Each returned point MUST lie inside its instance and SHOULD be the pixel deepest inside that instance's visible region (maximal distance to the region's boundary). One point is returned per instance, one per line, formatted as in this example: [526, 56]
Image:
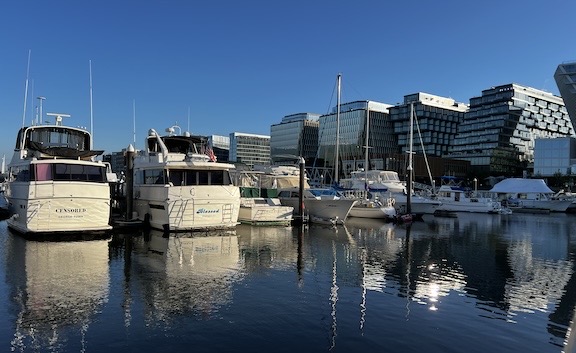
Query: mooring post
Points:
[129, 181]
[301, 190]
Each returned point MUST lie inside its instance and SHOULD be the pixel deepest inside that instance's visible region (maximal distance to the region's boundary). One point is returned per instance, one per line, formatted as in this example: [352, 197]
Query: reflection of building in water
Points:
[537, 283]
[182, 272]
[56, 288]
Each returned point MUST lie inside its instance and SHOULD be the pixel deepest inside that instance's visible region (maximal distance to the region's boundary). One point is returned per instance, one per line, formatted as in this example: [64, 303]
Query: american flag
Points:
[210, 153]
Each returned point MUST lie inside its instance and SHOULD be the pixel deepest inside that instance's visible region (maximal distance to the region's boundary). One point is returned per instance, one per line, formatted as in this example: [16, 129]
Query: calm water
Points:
[476, 283]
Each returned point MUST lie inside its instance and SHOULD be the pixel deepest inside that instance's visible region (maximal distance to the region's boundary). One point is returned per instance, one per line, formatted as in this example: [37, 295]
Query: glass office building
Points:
[498, 132]
[435, 124]
[352, 137]
[565, 77]
[295, 135]
[250, 149]
[553, 156]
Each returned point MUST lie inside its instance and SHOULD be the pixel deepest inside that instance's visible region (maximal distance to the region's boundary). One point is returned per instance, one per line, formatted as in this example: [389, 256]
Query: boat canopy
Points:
[521, 185]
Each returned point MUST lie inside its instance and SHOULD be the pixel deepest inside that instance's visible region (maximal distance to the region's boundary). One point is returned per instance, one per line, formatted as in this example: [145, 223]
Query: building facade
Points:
[565, 77]
[498, 131]
[250, 149]
[554, 156]
[295, 135]
[435, 123]
[221, 147]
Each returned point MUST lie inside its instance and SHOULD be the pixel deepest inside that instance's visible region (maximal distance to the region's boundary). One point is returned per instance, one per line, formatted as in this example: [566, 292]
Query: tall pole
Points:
[366, 151]
[337, 157]
[26, 88]
[40, 117]
[134, 121]
[130, 152]
[410, 171]
[91, 111]
[301, 190]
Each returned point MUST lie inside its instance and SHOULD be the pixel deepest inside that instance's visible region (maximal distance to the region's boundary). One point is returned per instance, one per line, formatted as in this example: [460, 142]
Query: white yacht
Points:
[321, 205]
[374, 180]
[529, 195]
[54, 182]
[456, 198]
[260, 206]
[385, 184]
[179, 188]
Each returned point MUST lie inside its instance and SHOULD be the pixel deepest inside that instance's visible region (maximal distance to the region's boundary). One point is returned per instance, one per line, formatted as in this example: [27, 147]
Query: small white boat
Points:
[259, 206]
[321, 205]
[529, 195]
[456, 198]
[374, 209]
[264, 211]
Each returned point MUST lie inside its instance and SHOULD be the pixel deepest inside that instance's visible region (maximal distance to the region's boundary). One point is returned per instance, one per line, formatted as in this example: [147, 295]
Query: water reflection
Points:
[479, 282]
[184, 273]
[56, 289]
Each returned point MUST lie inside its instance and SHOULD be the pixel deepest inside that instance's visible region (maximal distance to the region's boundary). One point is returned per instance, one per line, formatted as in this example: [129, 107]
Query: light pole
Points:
[475, 186]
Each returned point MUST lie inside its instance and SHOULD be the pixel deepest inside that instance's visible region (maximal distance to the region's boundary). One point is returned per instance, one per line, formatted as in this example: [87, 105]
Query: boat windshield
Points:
[53, 136]
[60, 172]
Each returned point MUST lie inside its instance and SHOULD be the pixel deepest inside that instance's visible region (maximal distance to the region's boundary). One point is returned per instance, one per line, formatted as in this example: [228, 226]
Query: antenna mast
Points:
[91, 111]
[26, 88]
[134, 121]
[188, 128]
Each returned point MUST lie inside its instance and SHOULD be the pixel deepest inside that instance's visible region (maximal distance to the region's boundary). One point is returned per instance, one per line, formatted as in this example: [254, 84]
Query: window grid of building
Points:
[498, 132]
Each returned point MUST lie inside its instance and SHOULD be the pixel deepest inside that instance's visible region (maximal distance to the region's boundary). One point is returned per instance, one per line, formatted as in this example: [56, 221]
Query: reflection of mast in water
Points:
[363, 303]
[333, 297]
[408, 264]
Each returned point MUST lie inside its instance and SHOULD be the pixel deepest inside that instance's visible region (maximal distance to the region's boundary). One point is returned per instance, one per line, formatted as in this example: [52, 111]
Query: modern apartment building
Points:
[435, 123]
[498, 132]
[295, 135]
[565, 77]
[250, 149]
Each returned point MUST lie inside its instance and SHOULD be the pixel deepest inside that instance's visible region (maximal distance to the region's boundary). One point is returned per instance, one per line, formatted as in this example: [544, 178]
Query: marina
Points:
[473, 283]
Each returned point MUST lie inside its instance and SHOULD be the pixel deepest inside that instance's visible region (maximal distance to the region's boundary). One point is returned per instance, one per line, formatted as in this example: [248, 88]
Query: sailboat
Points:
[375, 207]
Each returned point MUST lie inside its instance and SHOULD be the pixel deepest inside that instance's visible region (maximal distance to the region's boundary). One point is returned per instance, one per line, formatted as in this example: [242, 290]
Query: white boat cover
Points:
[520, 185]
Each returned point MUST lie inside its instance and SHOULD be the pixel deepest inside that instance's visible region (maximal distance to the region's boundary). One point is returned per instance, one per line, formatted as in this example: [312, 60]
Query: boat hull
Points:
[59, 207]
[187, 208]
[322, 210]
[362, 211]
[264, 211]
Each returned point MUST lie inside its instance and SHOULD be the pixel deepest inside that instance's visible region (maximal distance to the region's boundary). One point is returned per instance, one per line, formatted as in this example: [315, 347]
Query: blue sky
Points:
[243, 65]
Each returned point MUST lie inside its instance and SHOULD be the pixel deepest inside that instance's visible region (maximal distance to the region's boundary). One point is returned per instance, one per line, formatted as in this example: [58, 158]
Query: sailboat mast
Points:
[337, 157]
[366, 150]
[410, 171]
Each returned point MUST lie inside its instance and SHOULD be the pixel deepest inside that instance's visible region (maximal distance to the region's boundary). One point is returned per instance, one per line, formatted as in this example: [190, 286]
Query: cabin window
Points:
[20, 173]
[78, 172]
[60, 137]
[154, 176]
[176, 177]
[203, 177]
[183, 177]
[43, 172]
